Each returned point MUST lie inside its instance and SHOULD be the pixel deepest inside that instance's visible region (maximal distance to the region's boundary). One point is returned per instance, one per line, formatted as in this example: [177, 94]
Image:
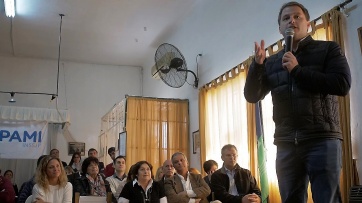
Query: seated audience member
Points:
[68, 170]
[109, 170]
[76, 162]
[55, 154]
[7, 193]
[91, 182]
[142, 188]
[159, 174]
[51, 182]
[167, 169]
[130, 175]
[27, 187]
[184, 186]
[71, 175]
[210, 166]
[194, 170]
[119, 178]
[94, 153]
[231, 183]
[9, 175]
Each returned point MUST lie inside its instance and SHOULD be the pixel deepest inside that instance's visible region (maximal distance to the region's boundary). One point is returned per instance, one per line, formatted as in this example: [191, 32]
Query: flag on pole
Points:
[261, 154]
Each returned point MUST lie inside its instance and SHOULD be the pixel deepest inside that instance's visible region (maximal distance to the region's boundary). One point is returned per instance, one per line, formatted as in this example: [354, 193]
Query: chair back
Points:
[92, 199]
[355, 194]
[29, 199]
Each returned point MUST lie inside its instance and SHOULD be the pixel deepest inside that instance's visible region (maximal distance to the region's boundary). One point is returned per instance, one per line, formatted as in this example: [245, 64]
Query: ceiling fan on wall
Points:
[171, 67]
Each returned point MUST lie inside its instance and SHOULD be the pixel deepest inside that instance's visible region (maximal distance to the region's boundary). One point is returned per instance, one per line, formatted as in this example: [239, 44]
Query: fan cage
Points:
[173, 77]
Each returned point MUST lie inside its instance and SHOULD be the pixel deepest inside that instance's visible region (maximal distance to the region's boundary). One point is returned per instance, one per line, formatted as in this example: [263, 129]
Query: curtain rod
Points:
[341, 5]
[126, 96]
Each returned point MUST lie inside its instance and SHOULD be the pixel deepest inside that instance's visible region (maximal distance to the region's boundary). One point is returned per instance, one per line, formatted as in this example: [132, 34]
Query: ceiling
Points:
[112, 32]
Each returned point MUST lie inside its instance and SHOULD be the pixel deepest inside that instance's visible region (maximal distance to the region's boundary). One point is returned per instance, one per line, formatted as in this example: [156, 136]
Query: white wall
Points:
[88, 91]
[225, 36]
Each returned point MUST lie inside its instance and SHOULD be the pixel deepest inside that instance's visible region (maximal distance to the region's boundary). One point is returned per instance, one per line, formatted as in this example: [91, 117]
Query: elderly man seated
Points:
[184, 186]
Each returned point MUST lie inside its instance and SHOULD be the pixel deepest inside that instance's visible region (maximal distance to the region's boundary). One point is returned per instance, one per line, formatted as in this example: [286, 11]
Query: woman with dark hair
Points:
[76, 162]
[142, 189]
[51, 182]
[91, 182]
[9, 175]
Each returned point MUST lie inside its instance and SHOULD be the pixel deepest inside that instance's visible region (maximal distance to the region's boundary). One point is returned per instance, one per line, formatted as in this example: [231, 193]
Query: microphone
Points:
[288, 39]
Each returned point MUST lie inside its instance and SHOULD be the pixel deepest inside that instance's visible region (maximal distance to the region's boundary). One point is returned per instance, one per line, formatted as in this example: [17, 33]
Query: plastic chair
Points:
[92, 199]
[355, 194]
[29, 199]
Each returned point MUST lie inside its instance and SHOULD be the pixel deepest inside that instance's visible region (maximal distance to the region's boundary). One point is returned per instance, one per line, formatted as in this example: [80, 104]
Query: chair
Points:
[355, 194]
[92, 199]
[29, 199]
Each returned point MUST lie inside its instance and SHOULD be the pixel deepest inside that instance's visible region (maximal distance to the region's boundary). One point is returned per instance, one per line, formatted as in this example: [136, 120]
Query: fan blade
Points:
[176, 62]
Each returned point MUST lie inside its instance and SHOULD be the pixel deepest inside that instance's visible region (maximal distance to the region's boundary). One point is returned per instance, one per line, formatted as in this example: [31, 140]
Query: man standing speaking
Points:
[304, 83]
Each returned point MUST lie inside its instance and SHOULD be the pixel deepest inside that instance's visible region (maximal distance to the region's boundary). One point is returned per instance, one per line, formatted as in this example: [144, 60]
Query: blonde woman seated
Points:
[51, 183]
[159, 174]
[142, 189]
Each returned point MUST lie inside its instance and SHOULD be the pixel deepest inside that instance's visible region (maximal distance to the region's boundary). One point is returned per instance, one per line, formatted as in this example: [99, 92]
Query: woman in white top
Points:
[51, 182]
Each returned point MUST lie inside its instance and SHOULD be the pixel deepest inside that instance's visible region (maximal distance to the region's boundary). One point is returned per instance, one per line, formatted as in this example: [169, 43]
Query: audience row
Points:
[174, 182]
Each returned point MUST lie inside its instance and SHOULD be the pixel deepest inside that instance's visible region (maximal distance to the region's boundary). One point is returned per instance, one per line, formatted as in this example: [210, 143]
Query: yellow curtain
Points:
[333, 24]
[222, 109]
[156, 128]
[328, 28]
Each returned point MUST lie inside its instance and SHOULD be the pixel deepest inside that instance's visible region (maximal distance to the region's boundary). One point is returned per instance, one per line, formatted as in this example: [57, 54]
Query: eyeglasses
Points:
[231, 155]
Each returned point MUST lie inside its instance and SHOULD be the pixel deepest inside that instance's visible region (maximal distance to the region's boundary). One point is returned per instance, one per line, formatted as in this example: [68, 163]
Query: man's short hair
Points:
[53, 150]
[178, 153]
[92, 149]
[208, 164]
[293, 3]
[111, 149]
[228, 146]
[119, 157]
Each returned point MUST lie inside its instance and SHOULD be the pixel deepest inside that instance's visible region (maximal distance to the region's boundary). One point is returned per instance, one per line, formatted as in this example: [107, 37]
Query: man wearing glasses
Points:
[231, 183]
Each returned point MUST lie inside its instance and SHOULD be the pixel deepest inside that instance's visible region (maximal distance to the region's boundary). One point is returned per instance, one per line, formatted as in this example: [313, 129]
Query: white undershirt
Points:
[232, 186]
[187, 187]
